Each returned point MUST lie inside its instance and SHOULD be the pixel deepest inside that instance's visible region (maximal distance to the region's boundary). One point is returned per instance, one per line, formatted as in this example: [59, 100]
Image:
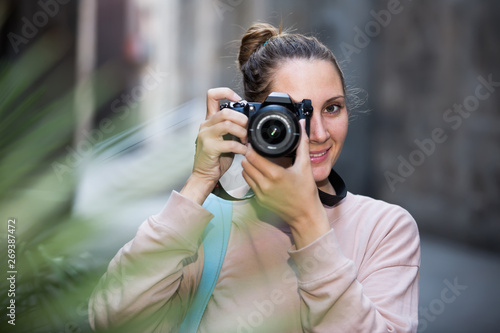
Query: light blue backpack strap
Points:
[215, 239]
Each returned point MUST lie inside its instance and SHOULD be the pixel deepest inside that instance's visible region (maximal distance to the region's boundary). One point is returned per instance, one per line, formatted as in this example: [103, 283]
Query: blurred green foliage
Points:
[55, 270]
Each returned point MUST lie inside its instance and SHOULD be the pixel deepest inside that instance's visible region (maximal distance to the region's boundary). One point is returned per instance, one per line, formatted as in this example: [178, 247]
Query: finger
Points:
[213, 148]
[255, 160]
[231, 146]
[215, 95]
[253, 185]
[218, 128]
[227, 115]
[270, 168]
[251, 174]
[228, 127]
[249, 168]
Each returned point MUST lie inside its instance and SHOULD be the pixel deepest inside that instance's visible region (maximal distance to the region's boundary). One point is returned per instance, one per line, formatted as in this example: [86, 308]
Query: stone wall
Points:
[436, 120]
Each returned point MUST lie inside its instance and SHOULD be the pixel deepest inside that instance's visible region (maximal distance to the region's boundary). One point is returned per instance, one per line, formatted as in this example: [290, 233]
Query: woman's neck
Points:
[326, 187]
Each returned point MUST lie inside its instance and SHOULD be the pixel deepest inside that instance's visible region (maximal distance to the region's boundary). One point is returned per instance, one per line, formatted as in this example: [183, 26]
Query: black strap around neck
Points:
[339, 187]
[327, 199]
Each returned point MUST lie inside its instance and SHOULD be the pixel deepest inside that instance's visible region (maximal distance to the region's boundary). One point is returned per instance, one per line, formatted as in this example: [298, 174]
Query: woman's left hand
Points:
[289, 191]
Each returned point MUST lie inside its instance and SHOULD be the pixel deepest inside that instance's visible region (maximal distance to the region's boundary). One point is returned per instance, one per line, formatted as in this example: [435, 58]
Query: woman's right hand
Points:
[214, 155]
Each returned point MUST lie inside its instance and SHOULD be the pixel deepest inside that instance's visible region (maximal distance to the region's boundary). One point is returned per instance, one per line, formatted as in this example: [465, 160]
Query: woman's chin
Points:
[321, 173]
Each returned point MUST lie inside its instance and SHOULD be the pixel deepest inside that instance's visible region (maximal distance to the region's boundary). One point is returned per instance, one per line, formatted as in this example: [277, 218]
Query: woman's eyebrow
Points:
[333, 99]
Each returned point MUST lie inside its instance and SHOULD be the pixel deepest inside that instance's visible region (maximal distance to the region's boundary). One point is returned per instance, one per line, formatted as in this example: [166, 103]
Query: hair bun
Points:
[255, 37]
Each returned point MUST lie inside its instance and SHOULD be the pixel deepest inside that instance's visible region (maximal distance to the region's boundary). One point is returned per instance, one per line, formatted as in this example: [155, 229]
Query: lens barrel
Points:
[274, 131]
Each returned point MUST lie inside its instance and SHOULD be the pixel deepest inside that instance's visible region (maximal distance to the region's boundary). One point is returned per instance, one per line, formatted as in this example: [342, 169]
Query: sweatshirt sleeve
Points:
[379, 294]
[152, 278]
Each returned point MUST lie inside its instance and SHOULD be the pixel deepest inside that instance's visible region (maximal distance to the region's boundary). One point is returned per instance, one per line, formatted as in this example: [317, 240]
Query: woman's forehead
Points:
[303, 78]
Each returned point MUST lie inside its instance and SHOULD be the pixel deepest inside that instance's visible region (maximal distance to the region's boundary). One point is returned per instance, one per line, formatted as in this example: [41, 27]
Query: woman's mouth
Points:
[318, 156]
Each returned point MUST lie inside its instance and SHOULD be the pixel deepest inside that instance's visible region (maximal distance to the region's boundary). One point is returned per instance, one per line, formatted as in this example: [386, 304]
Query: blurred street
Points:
[475, 303]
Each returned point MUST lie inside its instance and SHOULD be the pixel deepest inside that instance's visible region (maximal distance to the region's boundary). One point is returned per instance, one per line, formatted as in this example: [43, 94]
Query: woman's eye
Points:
[332, 108]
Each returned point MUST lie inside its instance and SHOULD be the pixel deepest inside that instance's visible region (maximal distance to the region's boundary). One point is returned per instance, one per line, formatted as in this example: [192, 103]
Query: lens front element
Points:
[275, 131]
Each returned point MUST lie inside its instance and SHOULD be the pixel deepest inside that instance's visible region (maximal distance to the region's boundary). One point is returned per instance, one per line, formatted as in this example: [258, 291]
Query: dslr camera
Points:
[273, 126]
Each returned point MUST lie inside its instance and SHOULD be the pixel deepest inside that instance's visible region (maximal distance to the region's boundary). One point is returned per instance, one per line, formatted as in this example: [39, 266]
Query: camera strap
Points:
[326, 199]
[222, 193]
[339, 187]
[215, 239]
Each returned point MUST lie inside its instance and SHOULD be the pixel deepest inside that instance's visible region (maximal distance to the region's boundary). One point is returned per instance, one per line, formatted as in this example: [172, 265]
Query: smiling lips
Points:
[317, 157]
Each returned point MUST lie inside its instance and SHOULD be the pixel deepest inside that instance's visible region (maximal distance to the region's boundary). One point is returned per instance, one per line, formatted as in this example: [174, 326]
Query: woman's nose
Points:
[318, 132]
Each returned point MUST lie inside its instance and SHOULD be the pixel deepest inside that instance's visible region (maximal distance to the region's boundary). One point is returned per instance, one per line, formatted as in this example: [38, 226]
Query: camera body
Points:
[273, 126]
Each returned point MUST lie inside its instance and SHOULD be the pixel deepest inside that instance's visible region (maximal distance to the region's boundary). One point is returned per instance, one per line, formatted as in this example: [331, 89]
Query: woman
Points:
[296, 261]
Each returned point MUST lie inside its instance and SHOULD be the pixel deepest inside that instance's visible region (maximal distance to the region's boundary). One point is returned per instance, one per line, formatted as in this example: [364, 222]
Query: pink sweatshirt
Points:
[362, 276]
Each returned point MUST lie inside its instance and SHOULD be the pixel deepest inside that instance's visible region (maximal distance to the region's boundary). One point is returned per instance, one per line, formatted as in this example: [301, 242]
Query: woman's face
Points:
[319, 81]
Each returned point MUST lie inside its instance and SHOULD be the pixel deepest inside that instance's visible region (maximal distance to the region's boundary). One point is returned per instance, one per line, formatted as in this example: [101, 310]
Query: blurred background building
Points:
[132, 75]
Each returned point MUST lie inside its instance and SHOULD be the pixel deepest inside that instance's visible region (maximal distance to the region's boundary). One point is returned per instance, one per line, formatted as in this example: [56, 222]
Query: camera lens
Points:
[274, 131]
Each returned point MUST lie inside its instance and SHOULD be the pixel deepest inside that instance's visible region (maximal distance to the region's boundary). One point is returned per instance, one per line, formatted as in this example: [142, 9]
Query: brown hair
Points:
[264, 47]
